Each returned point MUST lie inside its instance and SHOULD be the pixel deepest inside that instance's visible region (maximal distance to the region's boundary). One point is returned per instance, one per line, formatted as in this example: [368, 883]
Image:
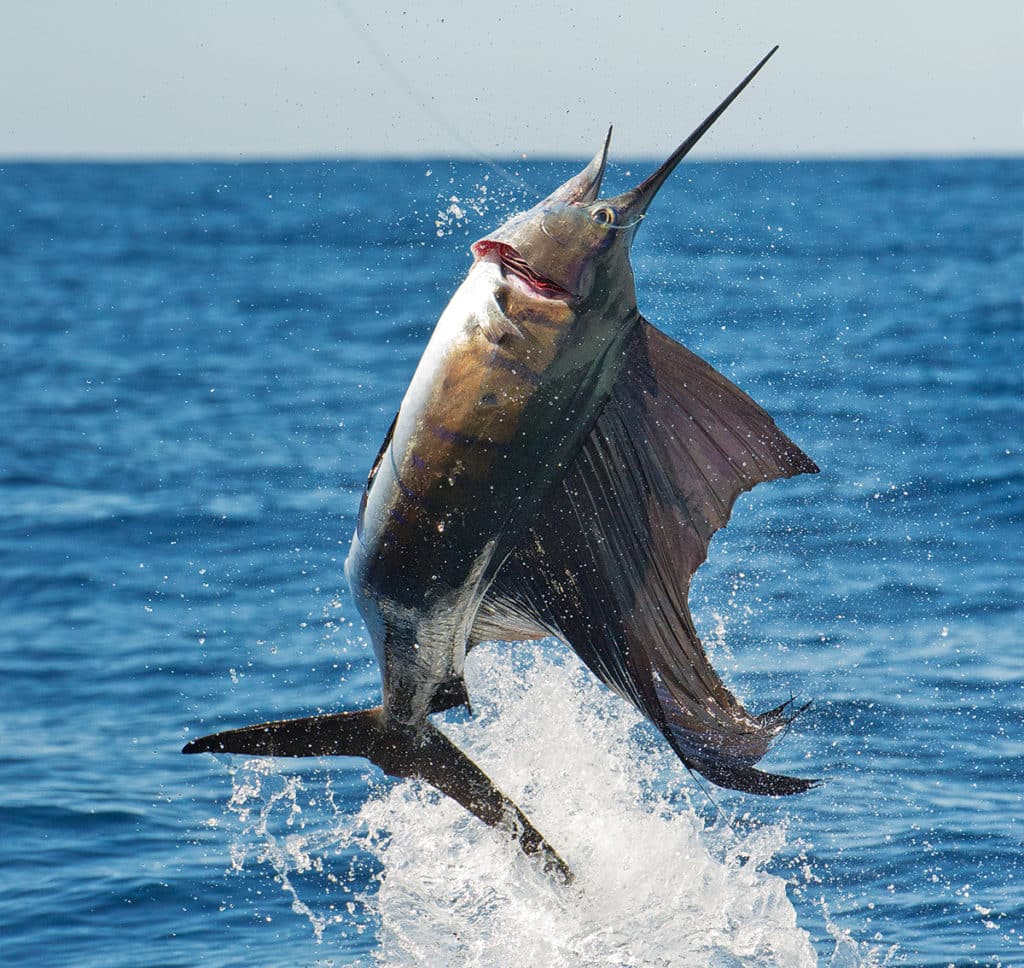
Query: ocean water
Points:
[198, 364]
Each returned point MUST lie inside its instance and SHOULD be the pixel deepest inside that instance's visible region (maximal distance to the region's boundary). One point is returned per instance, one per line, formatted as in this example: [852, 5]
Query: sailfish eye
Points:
[604, 215]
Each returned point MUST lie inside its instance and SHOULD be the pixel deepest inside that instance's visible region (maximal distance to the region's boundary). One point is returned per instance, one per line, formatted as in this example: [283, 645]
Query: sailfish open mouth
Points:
[512, 263]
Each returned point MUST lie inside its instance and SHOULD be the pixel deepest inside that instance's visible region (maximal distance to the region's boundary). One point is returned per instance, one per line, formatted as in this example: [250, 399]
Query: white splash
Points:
[654, 885]
[648, 889]
[456, 213]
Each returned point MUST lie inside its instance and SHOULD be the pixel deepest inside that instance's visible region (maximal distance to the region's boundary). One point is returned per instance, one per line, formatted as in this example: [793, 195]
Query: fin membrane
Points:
[430, 756]
[607, 565]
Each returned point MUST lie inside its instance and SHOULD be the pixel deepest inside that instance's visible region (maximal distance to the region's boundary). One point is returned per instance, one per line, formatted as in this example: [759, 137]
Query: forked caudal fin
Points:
[430, 756]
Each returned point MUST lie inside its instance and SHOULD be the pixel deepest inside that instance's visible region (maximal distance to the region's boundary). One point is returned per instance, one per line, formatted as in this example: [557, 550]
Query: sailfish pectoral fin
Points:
[429, 756]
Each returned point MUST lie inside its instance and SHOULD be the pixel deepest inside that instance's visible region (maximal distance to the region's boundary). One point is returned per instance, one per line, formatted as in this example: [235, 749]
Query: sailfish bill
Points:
[558, 467]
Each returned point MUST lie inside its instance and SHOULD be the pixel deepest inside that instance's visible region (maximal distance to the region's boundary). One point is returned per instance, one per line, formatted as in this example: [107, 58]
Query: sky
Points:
[335, 78]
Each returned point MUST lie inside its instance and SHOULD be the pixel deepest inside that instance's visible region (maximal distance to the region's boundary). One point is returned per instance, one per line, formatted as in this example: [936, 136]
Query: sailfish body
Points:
[557, 468]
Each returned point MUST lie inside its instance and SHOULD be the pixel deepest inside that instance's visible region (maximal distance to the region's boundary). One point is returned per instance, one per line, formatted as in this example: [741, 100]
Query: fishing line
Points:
[696, 778]
[388, 67]
[629, 225]
[613, 228]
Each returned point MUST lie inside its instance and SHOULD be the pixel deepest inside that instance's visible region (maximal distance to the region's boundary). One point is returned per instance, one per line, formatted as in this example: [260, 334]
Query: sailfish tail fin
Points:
[339, 734]
[429, 756]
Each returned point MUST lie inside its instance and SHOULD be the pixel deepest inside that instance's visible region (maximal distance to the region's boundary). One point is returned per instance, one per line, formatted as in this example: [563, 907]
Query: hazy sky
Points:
[239, 78]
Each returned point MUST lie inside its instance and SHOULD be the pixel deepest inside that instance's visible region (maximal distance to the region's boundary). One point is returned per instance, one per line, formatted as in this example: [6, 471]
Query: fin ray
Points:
[670, 453]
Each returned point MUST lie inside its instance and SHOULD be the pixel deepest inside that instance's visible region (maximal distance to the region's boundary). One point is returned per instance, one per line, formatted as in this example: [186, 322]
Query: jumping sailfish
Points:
[557, 468]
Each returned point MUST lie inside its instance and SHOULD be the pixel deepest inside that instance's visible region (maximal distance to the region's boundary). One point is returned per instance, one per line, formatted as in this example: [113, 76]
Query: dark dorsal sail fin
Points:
[607, 565]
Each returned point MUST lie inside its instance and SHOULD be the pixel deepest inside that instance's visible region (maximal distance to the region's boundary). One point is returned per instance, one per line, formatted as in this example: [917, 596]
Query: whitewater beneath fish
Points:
[656, 884]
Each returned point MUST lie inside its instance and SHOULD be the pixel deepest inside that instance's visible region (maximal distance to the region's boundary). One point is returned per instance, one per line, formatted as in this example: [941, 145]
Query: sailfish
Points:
[557, 468]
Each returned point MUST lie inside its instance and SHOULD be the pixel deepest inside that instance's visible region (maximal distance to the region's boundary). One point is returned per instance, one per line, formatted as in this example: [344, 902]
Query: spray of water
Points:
[656, 884]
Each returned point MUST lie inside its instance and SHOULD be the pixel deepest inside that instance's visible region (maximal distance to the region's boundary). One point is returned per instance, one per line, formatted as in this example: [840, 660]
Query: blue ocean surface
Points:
[199, 362]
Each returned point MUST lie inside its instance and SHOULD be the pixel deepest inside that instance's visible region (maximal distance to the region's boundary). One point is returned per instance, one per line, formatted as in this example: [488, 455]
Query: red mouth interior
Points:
[512, 261]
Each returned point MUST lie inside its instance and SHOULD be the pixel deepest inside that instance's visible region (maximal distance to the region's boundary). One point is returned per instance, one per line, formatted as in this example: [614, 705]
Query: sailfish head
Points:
[574, 245]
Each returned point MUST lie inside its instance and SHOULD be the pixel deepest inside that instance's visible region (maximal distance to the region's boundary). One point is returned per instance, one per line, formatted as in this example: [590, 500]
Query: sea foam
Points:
[657, 882]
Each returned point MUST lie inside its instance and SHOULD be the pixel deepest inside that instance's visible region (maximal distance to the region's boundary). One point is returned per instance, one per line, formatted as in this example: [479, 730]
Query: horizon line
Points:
[118, 158]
